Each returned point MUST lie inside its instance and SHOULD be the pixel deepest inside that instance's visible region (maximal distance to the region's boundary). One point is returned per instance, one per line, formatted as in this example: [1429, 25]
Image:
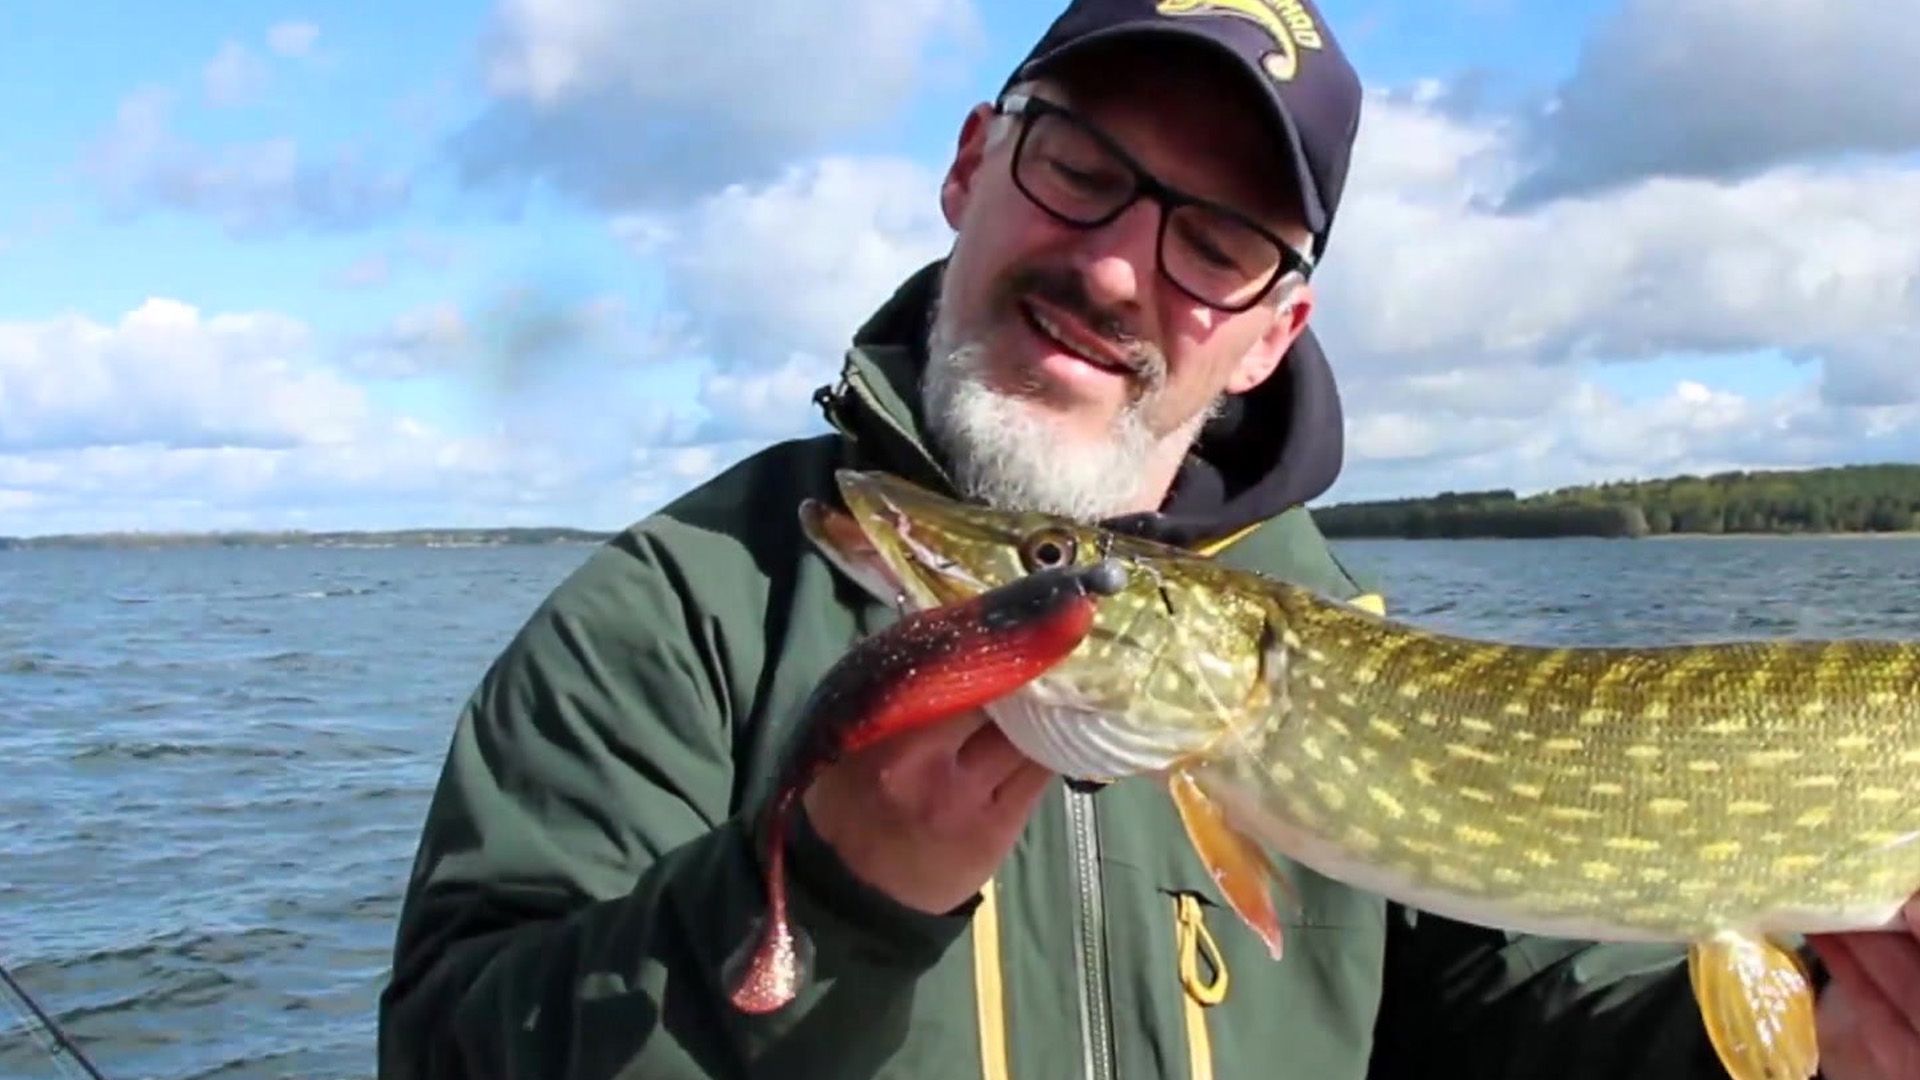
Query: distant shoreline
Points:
[1898, 534]
[1849, 500]
[518, 536]
[1889, 534]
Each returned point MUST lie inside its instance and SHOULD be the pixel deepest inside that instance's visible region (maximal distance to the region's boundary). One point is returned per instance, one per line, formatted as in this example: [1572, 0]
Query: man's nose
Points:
[1117, 259]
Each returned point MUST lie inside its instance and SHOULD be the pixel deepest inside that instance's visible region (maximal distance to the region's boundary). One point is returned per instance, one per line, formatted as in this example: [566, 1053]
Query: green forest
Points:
[1845, 499]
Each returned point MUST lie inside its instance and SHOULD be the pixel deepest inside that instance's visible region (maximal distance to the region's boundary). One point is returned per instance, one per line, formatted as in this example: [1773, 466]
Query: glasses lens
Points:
[1067, 169]
[1220, 257]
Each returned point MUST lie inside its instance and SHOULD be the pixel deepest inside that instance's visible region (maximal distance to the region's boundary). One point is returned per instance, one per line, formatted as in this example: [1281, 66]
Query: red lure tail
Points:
[926, 667]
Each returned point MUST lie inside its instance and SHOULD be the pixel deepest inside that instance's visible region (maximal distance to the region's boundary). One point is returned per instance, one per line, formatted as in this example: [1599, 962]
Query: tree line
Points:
[1844, 499]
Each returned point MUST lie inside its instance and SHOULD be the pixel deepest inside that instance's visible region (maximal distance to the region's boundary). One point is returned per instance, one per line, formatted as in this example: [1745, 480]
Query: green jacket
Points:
[585, 870]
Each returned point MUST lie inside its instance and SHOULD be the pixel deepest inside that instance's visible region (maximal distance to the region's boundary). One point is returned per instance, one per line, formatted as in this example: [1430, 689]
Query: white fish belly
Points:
[1077, 743]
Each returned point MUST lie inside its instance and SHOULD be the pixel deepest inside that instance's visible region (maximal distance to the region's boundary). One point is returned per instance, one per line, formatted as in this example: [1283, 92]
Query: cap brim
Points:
[1312, 208]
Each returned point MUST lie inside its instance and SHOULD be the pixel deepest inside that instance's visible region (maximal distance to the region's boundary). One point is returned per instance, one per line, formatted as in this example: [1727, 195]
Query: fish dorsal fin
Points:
[1757, 1005]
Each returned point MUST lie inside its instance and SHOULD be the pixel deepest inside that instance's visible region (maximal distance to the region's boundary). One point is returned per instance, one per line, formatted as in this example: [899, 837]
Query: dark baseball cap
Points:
[1284, 46]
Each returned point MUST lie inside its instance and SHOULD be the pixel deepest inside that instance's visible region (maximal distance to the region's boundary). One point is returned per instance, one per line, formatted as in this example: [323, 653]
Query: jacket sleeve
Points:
[583, 874]
[1463, 1000]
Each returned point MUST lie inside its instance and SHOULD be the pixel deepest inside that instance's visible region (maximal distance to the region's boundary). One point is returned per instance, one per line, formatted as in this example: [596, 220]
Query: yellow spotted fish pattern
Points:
[1727, 795]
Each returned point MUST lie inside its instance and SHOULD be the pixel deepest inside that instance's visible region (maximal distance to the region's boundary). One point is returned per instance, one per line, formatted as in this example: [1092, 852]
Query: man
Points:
[1119, 333]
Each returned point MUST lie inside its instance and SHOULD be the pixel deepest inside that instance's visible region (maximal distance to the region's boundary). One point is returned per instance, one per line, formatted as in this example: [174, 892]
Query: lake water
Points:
[213, 763]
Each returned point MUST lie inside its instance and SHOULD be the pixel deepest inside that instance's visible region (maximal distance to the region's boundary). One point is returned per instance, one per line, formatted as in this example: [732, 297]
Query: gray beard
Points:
[1003, 452]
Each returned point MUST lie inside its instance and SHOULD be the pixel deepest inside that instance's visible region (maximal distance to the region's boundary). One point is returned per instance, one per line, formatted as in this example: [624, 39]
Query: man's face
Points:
[1066, 371]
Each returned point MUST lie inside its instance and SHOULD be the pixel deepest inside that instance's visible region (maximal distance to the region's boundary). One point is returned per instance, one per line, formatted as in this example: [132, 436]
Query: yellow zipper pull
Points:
[1193, 936]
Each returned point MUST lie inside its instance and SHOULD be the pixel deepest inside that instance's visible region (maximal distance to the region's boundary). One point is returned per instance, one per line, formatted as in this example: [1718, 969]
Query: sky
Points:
[551, 262]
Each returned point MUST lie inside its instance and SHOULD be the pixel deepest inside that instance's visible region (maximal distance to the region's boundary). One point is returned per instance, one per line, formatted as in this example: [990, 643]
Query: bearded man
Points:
[1119, 334]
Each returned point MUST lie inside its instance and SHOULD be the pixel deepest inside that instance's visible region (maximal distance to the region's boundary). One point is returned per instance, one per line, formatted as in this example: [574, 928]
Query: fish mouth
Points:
[873, 542]
[837, 536]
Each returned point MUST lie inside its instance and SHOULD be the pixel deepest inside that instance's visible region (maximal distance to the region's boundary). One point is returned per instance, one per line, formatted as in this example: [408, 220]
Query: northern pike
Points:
[1725, 795]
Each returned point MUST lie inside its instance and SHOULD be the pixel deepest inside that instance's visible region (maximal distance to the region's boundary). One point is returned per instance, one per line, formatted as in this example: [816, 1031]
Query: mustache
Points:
[1066, 290]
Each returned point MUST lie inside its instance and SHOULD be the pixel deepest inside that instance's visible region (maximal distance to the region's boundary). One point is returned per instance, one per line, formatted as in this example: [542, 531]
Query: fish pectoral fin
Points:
[1758, 1007]
[1240, 867]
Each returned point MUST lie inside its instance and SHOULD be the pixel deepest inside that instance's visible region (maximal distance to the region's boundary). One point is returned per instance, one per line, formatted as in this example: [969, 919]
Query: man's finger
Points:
[1017, 793]
[987, 758]
[1880, 1031]
[1843, 1051]
[940, 740]
[1892, 962]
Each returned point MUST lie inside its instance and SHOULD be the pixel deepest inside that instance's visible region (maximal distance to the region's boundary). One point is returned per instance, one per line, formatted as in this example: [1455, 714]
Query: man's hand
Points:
[927, 817]
[1869, 1015]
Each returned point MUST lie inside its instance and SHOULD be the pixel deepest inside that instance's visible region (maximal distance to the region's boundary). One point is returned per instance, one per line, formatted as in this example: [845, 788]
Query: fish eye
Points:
[1047, 549]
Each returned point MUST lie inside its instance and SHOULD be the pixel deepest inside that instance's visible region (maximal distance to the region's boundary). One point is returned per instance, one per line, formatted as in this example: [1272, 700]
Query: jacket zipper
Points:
[1090, 939]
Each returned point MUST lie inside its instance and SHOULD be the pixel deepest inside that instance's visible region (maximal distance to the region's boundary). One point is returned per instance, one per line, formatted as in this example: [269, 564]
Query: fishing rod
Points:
[40, 1024]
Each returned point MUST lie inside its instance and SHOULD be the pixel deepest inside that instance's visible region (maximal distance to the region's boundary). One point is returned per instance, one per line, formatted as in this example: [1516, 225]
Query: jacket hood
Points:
[1277, 446]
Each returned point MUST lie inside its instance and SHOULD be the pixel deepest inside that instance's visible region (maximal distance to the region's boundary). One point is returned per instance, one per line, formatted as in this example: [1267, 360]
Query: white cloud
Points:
[233, 76]
[1725, 88]
[1426, 277]
[764, 403]
[174, 418]
[237, 75]
[1585, 433]
[292, 38]
[425, 339]
[393, 474]
[165, 374]
[698, 99]
[261, 187]
[775, 279]
[367, 272]
[797, 264]
[413, 250]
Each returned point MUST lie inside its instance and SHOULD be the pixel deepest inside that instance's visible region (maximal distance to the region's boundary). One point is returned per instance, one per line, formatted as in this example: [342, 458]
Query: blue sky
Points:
[275, 264]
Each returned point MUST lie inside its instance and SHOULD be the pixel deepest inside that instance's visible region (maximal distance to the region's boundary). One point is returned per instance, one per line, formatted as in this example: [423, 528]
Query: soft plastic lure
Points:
[924, 668]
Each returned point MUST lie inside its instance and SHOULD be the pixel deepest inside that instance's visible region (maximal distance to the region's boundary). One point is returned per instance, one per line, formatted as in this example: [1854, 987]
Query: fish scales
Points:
[1626, 793]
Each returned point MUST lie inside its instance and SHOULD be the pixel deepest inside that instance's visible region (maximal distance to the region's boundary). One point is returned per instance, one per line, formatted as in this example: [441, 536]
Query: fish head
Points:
[1171, 659]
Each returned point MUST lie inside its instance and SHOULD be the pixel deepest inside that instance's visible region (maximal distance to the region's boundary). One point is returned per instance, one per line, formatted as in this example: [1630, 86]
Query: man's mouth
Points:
[1073, 338]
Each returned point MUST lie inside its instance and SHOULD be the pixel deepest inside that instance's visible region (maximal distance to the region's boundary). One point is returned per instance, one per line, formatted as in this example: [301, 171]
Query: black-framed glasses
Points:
[1083, 177]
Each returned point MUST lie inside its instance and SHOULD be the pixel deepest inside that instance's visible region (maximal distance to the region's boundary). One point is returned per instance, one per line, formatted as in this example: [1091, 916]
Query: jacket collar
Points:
[876, 403]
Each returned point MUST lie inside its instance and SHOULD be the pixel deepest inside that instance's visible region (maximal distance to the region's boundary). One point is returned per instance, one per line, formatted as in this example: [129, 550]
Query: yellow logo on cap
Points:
[1287, 22]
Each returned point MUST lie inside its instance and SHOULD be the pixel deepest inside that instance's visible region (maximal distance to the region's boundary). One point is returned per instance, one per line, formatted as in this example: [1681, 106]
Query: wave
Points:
[149, 750]
[41, 663]
[332, 592]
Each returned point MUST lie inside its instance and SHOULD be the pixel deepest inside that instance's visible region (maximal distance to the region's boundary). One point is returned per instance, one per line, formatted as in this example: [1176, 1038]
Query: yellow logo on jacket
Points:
[1287, 22]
